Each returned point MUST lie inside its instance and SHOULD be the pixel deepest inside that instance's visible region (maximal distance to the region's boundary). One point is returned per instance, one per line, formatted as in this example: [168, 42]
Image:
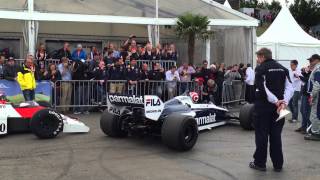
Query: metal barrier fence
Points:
[46, 62]
[233, 92]
[166, 64]
[83, 94]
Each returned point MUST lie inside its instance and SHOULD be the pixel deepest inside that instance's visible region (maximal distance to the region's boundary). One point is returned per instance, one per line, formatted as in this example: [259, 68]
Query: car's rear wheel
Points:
[46, 123]
[44, 104]
[247, 116]
[179, 132]
[111, 125]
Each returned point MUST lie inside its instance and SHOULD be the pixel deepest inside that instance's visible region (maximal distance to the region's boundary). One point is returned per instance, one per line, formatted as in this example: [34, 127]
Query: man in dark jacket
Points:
[79, 73]
[100, 74]
[64, 52]
[11, 69]
[274, 90]
[205, 72]
[133, 76]
[156, 76]
[117, 75]
[305, 107]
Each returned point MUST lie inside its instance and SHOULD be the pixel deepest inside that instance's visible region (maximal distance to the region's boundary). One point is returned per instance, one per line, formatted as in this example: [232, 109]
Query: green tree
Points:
[248, 4]
[191, 27]
[263, 5]
[306, 13]
[274, 6]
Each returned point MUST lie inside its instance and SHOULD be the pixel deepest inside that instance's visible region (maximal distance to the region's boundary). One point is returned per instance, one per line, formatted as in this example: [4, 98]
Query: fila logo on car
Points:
[153, 102]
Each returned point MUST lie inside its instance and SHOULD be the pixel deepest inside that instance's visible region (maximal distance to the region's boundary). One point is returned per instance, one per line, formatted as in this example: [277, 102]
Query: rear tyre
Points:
[179, 132]
[44, 104]
[111, 125]
[46, 123]
[247, 116]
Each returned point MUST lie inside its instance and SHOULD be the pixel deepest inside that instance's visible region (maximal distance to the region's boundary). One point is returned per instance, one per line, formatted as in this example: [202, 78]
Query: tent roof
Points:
[285, 30]
[227, 4]
[104, 10]
[136, 8]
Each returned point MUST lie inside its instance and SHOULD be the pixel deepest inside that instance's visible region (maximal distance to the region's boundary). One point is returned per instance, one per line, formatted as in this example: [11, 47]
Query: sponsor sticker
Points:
[211, 118]
[153, 102]
[153, 107]
[125, 100]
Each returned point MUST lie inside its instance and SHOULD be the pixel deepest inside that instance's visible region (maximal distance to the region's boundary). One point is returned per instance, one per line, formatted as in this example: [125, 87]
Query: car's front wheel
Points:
[179, 132]
[46, 123]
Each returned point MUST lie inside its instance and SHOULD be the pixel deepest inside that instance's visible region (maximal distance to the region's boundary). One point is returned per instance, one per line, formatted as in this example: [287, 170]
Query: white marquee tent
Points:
[227, 4]
[288, 40]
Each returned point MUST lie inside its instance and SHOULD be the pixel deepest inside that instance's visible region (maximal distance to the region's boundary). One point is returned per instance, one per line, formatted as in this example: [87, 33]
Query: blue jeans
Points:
[28, 95]
[305, 110]
[81, 98]
[293, 105]
[183, 87]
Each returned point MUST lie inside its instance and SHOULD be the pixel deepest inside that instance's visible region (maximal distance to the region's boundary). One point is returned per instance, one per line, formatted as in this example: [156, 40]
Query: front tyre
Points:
[46, 123]
[111, 125]
[247, 116]
[179, 132]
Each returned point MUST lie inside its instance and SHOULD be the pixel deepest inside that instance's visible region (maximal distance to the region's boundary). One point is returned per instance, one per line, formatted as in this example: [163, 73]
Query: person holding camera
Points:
[11, 69]
[133, 76]
[305, 107]
[185, 72]
[100, 74]
[66, 87]
[172, 76]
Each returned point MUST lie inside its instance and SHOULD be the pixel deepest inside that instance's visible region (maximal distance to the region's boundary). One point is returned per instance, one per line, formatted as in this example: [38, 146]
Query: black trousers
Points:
[267, 128]
[250, 93]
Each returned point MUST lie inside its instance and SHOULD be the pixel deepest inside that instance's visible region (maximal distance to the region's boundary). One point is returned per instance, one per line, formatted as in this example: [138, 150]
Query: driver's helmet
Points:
[194, 96]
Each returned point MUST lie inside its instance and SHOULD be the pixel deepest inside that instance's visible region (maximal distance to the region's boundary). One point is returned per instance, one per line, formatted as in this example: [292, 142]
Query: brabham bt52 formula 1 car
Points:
[30, 116]
[177, 121]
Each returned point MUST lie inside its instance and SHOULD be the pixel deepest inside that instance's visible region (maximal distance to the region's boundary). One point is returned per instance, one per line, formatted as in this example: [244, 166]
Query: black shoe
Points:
[304, 131]
[277, 169]
[312, 137]
[299, 129]
[252, 165]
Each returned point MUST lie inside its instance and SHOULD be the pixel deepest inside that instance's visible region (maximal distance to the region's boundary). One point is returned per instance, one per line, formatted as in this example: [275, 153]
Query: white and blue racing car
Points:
[177, 120]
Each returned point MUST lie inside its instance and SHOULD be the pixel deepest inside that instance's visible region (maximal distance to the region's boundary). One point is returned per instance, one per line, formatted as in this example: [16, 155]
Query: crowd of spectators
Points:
[113, 74]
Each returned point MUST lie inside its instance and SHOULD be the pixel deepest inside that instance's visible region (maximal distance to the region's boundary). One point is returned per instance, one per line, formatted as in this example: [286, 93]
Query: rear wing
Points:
[152, 105]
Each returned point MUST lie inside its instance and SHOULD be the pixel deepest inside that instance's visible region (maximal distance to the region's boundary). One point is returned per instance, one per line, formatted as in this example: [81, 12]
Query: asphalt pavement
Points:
[221, 153]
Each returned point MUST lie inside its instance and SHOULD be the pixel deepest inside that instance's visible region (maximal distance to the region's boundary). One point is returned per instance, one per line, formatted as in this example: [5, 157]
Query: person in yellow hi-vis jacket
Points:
[26, 79]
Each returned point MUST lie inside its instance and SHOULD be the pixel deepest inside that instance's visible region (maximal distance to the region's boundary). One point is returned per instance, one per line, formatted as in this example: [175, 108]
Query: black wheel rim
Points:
[48, 124]
[189, 133]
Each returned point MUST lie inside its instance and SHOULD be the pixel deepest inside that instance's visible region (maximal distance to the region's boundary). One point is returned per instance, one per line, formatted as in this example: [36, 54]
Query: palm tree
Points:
[191, 27]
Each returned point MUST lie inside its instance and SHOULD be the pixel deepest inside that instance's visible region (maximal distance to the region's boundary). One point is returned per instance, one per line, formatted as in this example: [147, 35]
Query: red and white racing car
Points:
[32, 117]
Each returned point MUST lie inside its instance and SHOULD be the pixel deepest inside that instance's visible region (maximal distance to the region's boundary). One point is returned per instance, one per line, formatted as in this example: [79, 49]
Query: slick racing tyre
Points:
[247, 116]
[46, 123]
[44, 104]
[111, 125]
[179, 132]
